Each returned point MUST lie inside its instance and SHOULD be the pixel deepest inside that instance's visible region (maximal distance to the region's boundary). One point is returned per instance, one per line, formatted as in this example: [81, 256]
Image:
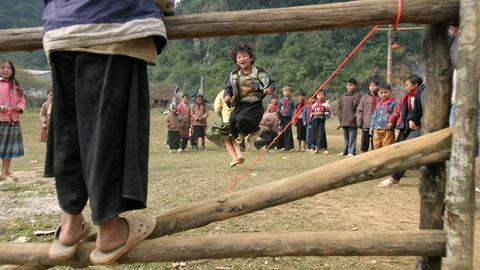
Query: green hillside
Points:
[302, 60]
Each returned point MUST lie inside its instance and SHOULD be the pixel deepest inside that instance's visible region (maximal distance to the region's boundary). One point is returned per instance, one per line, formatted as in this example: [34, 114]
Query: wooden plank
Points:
[353, 14]
[436, 103]
[460, 207]
[241, 245]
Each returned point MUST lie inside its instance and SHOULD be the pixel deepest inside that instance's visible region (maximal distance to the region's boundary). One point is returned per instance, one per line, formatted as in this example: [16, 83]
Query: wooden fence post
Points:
[460, 210]
[436, 108]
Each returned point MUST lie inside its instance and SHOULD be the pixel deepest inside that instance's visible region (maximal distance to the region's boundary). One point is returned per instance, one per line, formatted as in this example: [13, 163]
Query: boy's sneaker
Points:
[179, 150]
[341, 154]
[203, 148]
[325, 152]
[169, 151]
[477, 189]
[350, 155]
[388, 182]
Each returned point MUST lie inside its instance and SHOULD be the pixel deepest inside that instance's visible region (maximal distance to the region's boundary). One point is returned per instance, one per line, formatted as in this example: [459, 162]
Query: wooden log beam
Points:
[242, 245]
[460, 207]
[431, 148]
[353, 14]
[436, 103]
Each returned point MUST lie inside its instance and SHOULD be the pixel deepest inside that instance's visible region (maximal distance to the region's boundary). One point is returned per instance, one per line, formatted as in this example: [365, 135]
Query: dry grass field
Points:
[179, 179]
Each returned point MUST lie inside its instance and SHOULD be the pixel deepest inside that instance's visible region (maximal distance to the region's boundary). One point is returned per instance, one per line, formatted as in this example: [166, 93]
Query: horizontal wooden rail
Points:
[353, 14]
[241, 245]
[427, 149]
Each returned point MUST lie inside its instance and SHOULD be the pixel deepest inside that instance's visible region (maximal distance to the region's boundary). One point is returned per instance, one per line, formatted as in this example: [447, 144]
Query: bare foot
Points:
[72, 228]
[112, 234]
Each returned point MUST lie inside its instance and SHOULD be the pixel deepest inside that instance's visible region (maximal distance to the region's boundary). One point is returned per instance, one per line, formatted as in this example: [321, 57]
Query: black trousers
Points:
[174, 140]
[404, 135]
[287, 134]
[100, 114]
[366, 141]
[245, 118]
[301, 131]
[319, 133]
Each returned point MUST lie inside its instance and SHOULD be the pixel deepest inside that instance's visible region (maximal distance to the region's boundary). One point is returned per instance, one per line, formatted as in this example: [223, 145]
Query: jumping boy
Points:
[365, 109]
[347, 108]
[286, 107]
[245, 89]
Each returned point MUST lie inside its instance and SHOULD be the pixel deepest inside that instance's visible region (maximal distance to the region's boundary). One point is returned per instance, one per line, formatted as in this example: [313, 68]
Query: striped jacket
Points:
[85, 23]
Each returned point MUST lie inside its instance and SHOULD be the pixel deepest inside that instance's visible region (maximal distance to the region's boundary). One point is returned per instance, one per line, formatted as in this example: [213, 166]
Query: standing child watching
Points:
[286, 107]
[199, 121]
[347, 108]
[383, 135]
[365, 109]
[273, 106]
[401, 118]
[12, 105]
[308, 122]
[45, 116]
[245, 89]
[173, 122]
[184, 111]
[298, 121]
[320, 111]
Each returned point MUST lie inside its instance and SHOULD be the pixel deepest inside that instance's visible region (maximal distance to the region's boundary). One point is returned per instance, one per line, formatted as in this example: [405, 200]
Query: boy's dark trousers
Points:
[266, 138]
[320, 133]
[404, 135]
[366, 140]
[174, 139]
[287, 134]
[350, 138]
[183, 143]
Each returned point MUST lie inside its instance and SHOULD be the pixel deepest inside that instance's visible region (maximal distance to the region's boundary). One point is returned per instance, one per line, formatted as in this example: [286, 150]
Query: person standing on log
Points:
[364, 113]
[245, 89]
[407, 119]
[347, 109]
[12, 105]
[98, 53]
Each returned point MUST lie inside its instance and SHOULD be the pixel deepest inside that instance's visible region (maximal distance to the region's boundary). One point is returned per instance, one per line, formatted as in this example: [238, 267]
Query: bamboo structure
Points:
[242, 245]
[278, 20]
[460, 208]
[429, 151]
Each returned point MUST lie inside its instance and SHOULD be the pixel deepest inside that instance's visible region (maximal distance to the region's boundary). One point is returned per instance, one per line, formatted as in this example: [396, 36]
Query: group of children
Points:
[376, 113]
[185, 122]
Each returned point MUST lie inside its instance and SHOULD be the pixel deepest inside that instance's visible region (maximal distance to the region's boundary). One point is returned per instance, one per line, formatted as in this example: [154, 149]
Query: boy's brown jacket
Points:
[347, 109]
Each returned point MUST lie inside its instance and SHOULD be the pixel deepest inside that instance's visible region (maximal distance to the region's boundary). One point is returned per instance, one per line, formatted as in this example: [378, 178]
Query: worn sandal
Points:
[139, 228]
[62, 252]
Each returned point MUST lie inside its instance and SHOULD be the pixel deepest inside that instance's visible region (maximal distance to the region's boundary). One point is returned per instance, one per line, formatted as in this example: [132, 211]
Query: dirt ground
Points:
[30, 203]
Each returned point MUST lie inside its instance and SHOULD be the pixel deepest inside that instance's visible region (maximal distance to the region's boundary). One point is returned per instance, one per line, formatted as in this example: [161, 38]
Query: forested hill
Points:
[302, 60]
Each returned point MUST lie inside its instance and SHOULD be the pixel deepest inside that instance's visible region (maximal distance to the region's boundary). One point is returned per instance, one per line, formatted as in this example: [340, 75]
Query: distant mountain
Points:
[302, 60]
